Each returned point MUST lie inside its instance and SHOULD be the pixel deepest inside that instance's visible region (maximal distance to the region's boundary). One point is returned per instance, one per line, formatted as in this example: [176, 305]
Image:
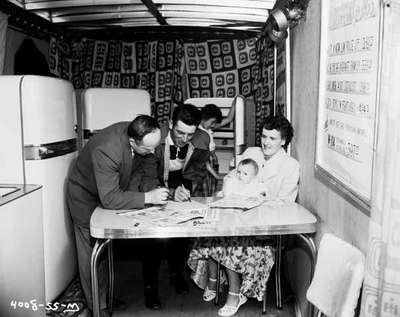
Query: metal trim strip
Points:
[49, 150]
[134, 233]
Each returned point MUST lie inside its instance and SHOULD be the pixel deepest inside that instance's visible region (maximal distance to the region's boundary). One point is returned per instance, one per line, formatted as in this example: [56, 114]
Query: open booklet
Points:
[172, 213]
[238, 202]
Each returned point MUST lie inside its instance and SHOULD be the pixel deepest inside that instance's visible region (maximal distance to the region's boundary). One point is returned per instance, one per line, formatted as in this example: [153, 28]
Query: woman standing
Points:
[249, 260]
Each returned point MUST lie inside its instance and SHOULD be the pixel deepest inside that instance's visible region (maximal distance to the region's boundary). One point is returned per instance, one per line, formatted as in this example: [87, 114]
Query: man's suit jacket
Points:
[193, 165]
[106, 174]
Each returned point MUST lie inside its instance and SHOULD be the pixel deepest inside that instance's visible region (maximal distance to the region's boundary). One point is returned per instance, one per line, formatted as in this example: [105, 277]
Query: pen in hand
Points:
[189, 198]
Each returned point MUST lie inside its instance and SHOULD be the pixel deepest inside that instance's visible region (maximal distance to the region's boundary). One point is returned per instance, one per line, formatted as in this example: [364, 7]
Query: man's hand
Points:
[181, 194]
[158, 196]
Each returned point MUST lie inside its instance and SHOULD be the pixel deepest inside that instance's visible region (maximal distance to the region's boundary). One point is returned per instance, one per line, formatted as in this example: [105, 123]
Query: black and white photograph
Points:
[199, 158]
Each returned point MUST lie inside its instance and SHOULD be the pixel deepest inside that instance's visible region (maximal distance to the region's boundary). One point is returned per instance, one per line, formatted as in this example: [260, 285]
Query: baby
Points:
[244, 181]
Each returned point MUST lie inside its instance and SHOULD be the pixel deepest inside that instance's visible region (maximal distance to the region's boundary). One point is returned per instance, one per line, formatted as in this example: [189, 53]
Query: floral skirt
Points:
[251, 257]
[208, 186]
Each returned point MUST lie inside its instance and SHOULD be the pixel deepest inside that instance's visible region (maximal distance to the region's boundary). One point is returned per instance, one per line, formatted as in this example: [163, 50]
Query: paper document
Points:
[172, 213]
[210, 219]
[238, 201]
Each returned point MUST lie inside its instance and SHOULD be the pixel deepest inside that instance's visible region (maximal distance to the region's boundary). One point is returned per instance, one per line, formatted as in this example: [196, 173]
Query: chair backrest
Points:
[338, 277]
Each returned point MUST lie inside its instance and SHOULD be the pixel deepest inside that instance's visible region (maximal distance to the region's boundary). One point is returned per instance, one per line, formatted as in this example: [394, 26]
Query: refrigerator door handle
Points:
[49, 150]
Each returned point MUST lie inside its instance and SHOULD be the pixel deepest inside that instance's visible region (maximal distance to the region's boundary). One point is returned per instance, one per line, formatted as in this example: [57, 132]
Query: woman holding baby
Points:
[269, 171]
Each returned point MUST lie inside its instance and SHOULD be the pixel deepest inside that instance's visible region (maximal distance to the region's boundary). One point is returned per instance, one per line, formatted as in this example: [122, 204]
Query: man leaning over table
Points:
[179, 164]
[116, 170]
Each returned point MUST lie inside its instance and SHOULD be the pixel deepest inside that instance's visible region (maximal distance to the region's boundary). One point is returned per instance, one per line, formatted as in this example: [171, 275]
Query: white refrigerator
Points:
[100, 107]
[38, 141]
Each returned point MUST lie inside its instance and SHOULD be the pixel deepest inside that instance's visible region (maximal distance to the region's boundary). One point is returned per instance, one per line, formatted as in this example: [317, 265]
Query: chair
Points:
[337, 279]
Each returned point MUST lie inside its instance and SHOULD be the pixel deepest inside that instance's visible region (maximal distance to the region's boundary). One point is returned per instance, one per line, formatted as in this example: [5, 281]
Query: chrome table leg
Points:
[94, 261]
[110, 277]
[278, 264]
[313, 253]
[218, 283]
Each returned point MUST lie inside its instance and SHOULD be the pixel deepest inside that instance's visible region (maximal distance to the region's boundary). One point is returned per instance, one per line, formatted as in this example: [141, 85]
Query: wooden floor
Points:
[129, 287]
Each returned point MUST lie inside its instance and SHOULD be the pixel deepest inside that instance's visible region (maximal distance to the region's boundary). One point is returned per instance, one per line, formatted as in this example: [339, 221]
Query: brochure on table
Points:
[173, 213]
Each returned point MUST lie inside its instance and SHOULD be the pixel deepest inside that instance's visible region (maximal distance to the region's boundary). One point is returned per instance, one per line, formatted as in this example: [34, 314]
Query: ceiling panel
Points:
[98, 9]
[257, 4]
[233, 14]
[52, 4]
[216, 15]
[101, 16]
[212, 9]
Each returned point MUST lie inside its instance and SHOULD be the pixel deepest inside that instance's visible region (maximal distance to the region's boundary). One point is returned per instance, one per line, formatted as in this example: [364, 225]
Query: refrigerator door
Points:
[58, 235]
[48, 110]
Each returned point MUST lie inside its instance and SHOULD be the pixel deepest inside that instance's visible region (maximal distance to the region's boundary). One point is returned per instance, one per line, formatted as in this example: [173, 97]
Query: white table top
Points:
[287, 218]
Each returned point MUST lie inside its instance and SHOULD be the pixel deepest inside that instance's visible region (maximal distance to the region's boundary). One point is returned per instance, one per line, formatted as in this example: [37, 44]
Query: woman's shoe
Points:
[209, 294]
[227, 310]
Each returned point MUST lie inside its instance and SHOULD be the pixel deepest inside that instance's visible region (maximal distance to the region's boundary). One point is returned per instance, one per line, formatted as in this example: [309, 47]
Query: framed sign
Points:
[348, 96]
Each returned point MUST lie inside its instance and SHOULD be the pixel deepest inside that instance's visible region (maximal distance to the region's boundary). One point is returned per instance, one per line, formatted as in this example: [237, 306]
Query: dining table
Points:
[270, 218]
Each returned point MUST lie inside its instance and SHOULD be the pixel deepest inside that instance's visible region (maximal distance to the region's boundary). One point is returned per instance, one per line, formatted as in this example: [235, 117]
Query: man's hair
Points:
[187, 113]
[249, 161]
[141, 126]
[281, 124]
[211, 111]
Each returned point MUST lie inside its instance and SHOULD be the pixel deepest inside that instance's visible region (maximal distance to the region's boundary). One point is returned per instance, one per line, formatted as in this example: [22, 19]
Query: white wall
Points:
[335, 213]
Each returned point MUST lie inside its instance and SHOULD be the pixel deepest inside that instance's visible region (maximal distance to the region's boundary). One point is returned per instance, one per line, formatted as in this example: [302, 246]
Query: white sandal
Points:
[228, 310]
[209, 294]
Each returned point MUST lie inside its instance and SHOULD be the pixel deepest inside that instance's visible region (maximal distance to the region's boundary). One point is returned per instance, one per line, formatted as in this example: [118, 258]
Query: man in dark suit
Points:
[178, 161]
[117, 170]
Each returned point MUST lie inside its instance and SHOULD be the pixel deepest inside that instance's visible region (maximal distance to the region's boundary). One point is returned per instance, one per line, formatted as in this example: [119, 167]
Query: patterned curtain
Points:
[381, 291]
[263, 83]
[156, 66]
[222, 68]
[225, 68]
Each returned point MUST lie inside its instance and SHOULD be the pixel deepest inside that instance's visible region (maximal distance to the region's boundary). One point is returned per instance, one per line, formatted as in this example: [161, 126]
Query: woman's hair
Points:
[249, 161]
[141, 126]
[211, 111]
[187, 113]
[281, 124]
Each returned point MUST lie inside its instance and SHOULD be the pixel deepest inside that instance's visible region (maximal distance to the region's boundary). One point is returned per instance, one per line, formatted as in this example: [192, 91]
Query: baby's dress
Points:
[233, 186]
